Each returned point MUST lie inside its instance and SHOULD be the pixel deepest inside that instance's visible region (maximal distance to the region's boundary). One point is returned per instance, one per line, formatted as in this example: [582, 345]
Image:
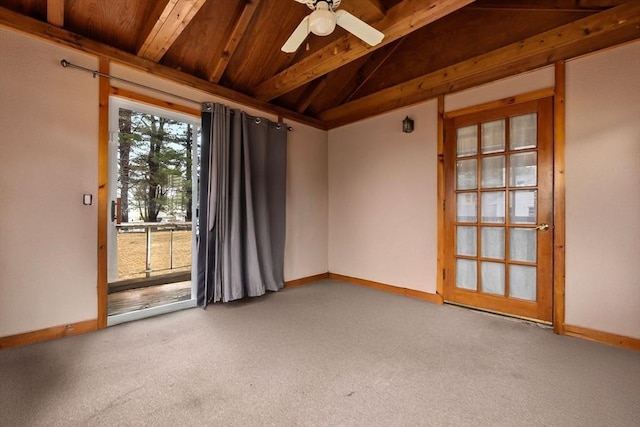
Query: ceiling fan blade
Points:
[297, 37]
[358, 28]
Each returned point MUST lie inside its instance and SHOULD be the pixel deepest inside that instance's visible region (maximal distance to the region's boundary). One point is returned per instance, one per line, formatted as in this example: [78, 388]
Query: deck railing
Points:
[149, 228]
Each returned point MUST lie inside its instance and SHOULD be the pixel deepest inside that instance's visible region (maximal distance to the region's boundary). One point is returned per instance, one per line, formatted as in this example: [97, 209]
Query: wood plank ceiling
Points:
[231, 48]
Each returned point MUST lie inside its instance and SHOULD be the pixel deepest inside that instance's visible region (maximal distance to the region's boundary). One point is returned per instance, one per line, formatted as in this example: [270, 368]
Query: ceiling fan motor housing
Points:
[322, 20]
[334, 4]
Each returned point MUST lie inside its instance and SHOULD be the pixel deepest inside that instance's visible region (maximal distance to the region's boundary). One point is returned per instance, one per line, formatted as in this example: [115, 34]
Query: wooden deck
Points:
[151, 296]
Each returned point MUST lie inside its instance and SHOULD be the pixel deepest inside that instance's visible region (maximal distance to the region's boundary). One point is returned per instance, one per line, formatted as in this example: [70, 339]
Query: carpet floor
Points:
[326, 354]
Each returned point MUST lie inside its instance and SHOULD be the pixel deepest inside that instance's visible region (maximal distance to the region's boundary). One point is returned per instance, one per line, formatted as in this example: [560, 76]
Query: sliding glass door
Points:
[152, 189]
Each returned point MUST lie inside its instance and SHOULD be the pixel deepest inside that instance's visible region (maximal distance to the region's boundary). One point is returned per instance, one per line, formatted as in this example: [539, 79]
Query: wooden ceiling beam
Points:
[314, 89]
[370, 68]
[599, 3]
[368, 10]
[583, 6]
[598, 31]
[238, 31]
[399, 21]
[45, 31]
[173, 16]
[55, 12]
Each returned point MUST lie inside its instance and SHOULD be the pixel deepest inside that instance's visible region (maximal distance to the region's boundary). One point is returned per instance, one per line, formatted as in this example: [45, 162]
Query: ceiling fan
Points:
[323, 20]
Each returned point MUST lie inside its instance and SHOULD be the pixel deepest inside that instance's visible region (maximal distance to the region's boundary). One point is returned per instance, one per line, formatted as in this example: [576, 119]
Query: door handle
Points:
[114, 215]
[542, 227]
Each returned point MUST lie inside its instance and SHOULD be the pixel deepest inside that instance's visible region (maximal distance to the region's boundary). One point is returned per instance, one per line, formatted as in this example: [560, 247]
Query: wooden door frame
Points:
[559, 198]
[103, 189]
[105, 93]
[558, 187]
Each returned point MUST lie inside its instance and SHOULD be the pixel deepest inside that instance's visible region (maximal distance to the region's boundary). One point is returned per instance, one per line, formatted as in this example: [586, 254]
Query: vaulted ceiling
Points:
[231, 48]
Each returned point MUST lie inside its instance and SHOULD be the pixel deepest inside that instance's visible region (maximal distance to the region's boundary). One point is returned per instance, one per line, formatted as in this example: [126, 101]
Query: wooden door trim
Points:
[545, 204]
[103, 191]
[559, 199]
[496, 108]
[155, 102]
[504, 102]
[442, 192]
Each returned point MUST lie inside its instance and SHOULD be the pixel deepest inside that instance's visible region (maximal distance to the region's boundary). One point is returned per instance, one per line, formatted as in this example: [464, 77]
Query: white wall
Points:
[48, 239]
[603, 191]
[382, 199]
[306, 247]
[531, 81]
[48, 159]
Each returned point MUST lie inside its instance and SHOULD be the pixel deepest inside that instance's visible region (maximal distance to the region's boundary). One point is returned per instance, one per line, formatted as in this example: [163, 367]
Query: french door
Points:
[499, 210]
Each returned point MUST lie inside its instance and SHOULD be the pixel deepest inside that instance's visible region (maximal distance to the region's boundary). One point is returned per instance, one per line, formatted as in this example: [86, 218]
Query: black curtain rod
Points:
[67, 64]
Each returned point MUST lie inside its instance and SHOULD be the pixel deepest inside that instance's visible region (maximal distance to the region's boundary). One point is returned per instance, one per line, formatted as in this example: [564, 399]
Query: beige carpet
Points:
[327, 354]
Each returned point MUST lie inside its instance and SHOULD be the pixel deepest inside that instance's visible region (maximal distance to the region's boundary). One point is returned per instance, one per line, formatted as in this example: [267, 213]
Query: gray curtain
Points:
[241, 218]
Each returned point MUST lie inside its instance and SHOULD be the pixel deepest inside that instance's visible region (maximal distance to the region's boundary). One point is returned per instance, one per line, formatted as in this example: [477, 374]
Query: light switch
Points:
[87, 199]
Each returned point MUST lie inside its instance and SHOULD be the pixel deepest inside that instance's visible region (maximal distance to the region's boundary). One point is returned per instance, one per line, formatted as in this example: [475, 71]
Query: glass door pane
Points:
[466, 274]
[493, 279]
[493, 137]
[523, 169]
[523, 244]
[493, 172]
[523, 131]
[467, 141]
[493, 242]
[467, 241]
[522, 282]
[522, 207]
[467, 174]
[493, 207]
[467, 207]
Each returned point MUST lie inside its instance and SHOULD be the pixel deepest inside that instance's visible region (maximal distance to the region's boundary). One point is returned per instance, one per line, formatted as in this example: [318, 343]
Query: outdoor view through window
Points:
[152, 211]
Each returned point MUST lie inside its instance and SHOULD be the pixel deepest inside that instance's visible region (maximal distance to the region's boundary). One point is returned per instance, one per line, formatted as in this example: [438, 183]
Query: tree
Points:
[188, 187]
[124, 152]
[153, 163]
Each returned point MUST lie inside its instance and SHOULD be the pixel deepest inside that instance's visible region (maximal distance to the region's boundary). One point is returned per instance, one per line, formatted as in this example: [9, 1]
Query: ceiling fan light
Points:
[322, 22]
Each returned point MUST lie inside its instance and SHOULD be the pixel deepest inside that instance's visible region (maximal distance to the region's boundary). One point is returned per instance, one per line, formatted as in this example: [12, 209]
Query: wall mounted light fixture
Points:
[407, 125]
